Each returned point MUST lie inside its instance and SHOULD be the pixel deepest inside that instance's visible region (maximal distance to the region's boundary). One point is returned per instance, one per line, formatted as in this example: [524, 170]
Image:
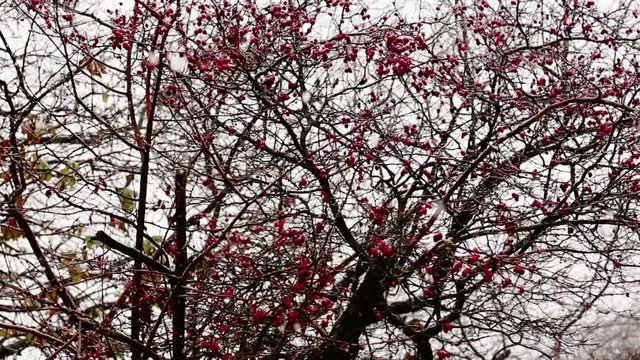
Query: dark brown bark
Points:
[178, 294]
[360, 313]
[134, 254]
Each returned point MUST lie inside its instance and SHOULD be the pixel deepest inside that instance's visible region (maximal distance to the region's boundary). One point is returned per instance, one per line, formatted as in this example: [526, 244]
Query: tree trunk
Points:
[361, 312]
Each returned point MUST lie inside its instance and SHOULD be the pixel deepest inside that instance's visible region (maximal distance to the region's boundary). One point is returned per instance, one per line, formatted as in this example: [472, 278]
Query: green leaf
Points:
[72, 166]
[105, 96]
[95, 313]
[43, 168]
[149, 248]
[7, 333]
[127, 198]
[30, 338]
[91, 242]
[66, 175]
[31, 304]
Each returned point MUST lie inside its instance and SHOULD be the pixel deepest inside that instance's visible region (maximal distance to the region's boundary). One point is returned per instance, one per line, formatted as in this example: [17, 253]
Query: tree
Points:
[315, 179]
[616, 340]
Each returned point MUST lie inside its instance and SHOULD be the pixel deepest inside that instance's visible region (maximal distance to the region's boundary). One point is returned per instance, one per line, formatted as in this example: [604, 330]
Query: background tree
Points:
[314, 179]
[616, 341]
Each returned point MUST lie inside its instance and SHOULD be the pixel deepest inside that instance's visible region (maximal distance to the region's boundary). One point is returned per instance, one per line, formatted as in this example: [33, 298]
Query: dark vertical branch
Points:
[142, 203]
[136, 295]
[178, 301]
[137, 266]
[360, 313]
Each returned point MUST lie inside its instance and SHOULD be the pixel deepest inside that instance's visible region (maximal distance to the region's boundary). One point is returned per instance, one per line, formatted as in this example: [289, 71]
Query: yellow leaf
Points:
[93, 66]
[127, 199]
[7, 333]
[52, 296]
[34, 128]
[10, 230]
[20, 203]
[69, 262]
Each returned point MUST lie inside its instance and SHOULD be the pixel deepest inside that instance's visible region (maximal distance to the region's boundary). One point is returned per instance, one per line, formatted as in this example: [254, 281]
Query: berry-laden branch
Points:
[317, 179]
